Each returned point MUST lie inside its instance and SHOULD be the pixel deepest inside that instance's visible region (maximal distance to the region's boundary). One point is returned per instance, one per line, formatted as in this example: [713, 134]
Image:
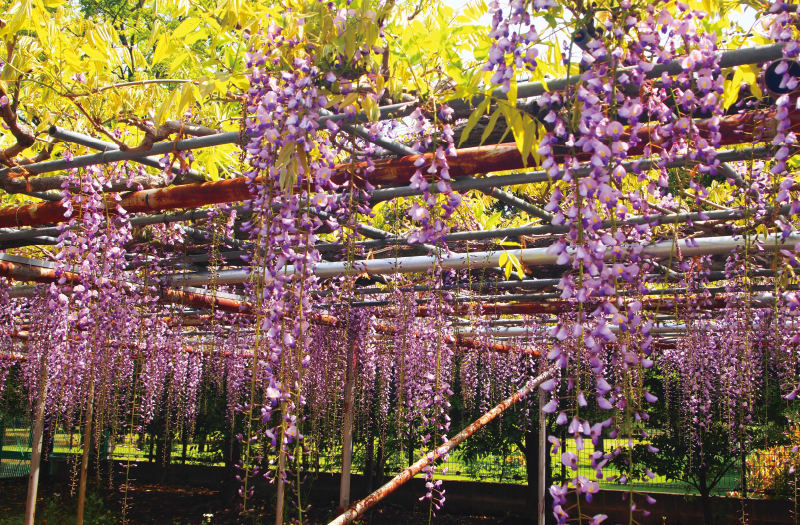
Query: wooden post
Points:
[347, 428]
[36, 447]
[87, 446]
[542, 456]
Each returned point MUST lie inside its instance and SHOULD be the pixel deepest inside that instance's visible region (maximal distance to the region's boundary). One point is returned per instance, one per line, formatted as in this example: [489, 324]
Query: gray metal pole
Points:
[461, 261]
[93, 143]
[280, 482]
[161, 148]
[737, 57]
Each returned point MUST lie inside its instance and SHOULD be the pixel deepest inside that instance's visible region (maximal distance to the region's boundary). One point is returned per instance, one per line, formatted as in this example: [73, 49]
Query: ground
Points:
[154, 504]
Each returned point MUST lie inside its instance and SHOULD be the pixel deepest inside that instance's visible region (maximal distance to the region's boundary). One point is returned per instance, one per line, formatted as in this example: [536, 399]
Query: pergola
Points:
[194, 285]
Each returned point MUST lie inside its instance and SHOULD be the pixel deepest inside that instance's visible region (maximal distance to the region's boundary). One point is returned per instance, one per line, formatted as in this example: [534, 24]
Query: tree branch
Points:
[129, 84]
[24, 135]
[40, 157]
[164, 131]
[35, 185]
[100, 127]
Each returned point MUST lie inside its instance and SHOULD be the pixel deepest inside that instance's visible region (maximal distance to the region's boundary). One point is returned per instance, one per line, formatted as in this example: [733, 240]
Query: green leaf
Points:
[304, 161]
[349, 99]
[750, 75]
[288, 175]
[490, 125]
[186, 27]
[163, 110]
[177, 62]
[503, 259]
[194, 37]
[473, 119]
[517, 265]
[284, 155]
[350, 41]
[492, 221]
[187, 96]
[512, 91]
[161, 49]
[525, 142]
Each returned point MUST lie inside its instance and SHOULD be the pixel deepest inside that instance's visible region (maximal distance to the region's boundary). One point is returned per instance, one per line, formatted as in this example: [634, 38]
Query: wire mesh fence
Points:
[770, 471]
[512, 468]
[15, 445]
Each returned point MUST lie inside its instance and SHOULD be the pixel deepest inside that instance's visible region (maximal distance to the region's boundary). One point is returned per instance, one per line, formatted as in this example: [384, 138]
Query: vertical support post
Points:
[347, 427]
[36, 447]
[279, 481]
[743, 461]
[542, 457]
[87, 446]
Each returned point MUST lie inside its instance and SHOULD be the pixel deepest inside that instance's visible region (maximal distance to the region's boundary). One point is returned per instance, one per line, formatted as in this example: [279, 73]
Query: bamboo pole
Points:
[359, 508]
[36, 446]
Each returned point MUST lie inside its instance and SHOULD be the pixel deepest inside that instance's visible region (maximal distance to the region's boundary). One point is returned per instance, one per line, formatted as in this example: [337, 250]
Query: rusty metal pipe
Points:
[357, 509]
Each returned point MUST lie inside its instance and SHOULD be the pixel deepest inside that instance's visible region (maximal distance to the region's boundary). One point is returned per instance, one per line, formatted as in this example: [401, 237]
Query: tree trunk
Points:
[531, 451]
[379, 470]
[150, 456]
[231, 453]
[164, 450]
[185, 443]
[47, 450]
[369, 464]
[705, 498]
